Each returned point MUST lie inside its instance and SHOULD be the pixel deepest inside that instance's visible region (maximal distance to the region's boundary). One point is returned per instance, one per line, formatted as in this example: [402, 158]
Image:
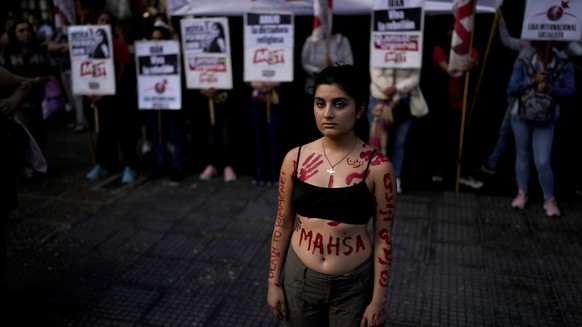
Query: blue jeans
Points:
[534, 141]
[172, 130]
[504, 136]
[397, 135]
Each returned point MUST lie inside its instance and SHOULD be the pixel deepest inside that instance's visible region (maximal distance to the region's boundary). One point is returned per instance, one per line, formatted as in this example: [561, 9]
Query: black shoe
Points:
[157, 173]
[176, 176]
[487, 169]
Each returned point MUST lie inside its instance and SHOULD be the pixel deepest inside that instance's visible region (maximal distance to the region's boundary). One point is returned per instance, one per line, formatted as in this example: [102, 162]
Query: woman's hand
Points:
[276, 301]
[374, 316]
[7, 106]
[209, 92]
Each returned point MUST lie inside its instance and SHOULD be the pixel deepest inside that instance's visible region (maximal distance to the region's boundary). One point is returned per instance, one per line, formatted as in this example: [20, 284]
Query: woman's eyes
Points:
[322, 104]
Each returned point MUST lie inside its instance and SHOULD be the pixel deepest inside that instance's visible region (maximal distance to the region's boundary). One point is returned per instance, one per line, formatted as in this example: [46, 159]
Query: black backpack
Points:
[536, 106]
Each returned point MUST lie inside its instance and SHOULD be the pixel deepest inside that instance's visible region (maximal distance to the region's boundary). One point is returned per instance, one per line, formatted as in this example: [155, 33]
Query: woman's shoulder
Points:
[379, 162]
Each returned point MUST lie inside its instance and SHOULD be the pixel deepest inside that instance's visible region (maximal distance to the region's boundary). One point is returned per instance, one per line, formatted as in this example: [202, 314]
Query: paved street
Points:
[98, 254]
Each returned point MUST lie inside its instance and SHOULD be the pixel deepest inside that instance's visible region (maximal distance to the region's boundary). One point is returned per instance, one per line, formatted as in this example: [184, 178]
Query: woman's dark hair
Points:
[14, 43]
[348, 78]
[220, 28]
[166, 35]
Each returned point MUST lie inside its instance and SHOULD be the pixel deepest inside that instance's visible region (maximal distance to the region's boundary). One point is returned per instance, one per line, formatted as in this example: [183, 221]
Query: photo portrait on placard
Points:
[91, 53]
[217, 43]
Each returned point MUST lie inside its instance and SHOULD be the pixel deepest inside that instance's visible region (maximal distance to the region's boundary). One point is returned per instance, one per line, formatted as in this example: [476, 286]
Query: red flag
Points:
[463, 11]
[322, 19]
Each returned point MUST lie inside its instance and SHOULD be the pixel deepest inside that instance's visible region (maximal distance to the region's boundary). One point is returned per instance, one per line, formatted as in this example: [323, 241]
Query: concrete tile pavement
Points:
[92, 254]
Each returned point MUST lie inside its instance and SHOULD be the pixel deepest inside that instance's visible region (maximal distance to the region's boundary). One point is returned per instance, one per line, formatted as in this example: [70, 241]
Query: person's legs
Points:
[523, 151]
[505, 133]
[272, 127]
[350, 294]
[542, 141]
[305, 293]
[175, 126]
[397, 142]
[258, 119]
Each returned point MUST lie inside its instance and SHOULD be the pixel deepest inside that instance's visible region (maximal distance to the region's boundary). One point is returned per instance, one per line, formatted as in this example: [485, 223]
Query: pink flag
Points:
[322, 19]
[460, 43]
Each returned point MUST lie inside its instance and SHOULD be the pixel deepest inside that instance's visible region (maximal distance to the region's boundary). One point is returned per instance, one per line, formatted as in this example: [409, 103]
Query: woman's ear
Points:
[360, 111]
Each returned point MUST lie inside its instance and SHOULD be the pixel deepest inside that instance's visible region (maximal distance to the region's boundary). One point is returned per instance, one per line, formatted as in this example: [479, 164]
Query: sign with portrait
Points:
[396, 34]
[92, 67]
[158, 75]
[206, 46]
[268, 42]
[555, 20]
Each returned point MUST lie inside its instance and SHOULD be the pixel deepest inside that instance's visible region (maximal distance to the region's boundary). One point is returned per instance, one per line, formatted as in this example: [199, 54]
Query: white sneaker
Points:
[398, 187]
[471, 182]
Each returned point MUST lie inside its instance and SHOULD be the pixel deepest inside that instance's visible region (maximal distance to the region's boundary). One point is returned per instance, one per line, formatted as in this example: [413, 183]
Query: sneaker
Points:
[520, 201]
[398, 186]
[129, 175]
[487, 169]
[146, 147]
[157, 173]
[471, 182]
[208, 173]
[80, 128]
[96, 172]
[437, 178]
[229, 175]
[551, 208]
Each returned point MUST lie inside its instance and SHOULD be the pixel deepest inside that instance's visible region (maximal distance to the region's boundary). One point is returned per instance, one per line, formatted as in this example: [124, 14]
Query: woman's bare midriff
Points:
[330, 247]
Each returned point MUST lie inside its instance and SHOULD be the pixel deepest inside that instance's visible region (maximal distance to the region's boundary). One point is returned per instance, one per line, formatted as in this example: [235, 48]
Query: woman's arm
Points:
[281, 237]
[384, 179]
[405, 83]
[18, 86]
[519, 79]
[565, 85]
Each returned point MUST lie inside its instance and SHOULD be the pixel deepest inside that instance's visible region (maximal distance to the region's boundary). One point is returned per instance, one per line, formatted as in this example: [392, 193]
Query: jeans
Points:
[534, 141]
[172, 129]
[504, 135]
[397, 135]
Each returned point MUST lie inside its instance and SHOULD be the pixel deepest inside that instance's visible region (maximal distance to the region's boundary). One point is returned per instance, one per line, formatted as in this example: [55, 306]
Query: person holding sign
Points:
[219, 136]
[550, 73]
[389, 102]
[116, 116]
[265, 117]
[167, 125]
[325, 270]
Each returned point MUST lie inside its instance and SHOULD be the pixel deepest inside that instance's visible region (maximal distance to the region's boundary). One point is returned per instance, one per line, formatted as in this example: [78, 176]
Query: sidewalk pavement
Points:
[100, 254]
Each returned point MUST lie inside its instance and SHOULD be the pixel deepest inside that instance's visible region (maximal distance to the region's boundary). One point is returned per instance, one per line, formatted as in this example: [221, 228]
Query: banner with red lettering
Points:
[268, 43]
[91, 53]
[300, 7]
[461, 39]
[206, 46]
[397, 34]
[554, 20]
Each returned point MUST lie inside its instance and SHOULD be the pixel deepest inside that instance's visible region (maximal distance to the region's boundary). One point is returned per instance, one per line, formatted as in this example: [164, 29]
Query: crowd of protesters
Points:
[30, 46]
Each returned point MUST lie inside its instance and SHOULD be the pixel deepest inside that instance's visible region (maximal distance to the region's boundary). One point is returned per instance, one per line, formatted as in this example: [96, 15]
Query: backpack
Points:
[536, 106]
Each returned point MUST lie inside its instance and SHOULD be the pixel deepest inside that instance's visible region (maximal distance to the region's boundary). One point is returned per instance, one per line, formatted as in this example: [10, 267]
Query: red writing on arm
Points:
[275, 253]
[281, 199]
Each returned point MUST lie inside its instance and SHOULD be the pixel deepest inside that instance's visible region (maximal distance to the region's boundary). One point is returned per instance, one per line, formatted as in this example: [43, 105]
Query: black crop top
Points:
[350, 205]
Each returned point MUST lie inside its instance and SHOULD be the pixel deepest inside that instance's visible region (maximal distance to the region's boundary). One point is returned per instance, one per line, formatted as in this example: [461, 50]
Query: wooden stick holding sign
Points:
[160, 127]
[268, 104]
